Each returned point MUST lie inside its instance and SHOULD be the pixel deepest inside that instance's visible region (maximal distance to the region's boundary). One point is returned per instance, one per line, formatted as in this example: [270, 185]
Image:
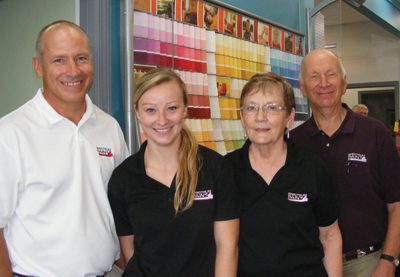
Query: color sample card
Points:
[214, 51]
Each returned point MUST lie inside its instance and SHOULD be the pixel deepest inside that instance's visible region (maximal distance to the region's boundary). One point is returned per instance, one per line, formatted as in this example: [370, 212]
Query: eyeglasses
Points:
[269, 108]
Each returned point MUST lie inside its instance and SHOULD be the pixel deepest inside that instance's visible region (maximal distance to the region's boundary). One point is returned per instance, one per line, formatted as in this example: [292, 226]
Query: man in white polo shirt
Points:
[57, 153]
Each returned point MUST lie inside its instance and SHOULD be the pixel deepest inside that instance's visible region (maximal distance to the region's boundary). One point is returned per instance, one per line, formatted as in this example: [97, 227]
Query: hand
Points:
[384, 269]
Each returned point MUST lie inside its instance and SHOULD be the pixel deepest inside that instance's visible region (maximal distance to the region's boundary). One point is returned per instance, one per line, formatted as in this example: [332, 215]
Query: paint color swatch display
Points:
[215, 52]
[288, 65]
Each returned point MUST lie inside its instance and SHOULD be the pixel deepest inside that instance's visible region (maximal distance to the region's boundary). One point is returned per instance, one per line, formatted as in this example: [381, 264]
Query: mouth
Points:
[72, 84]
[162, 130]
[263, 129]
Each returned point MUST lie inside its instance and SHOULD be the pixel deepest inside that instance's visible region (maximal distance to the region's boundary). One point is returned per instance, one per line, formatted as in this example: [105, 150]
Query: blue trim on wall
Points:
[383, 12]
[117, 105]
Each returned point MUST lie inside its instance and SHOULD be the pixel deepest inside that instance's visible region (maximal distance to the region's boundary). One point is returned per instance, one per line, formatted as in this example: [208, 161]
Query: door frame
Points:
[394, 84]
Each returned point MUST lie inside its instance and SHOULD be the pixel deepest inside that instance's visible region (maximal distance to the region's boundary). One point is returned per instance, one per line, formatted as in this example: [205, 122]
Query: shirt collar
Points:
[347, 126]
[52, 117]
[291, 156]
[138, 160]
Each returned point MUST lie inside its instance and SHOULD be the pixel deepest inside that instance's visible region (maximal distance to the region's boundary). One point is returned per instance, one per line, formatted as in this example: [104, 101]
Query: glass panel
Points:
[370, 54]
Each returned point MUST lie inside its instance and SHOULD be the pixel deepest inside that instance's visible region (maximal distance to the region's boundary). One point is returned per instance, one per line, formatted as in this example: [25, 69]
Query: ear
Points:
[303, 89]
[185, 112]
[137, 114]
[290, 119]
[344, 86]
[37, 66]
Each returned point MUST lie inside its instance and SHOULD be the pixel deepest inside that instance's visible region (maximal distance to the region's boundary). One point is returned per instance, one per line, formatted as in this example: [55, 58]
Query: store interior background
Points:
[367, 43]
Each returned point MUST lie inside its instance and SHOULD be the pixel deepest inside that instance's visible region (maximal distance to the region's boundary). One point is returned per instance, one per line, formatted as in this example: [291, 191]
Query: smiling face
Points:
[322, 79]
[65, 66]
[263, 127]
[161, 112]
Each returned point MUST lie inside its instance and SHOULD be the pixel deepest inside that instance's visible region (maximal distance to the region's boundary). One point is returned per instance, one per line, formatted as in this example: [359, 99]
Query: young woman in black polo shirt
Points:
[288, 222]
[174, 202]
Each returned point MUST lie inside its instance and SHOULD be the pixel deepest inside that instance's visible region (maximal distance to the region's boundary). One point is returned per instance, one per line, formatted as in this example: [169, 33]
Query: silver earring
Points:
[287, 135]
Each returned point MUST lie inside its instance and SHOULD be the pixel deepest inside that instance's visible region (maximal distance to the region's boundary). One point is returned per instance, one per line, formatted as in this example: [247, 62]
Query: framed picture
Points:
[248, 28]
[210, 16]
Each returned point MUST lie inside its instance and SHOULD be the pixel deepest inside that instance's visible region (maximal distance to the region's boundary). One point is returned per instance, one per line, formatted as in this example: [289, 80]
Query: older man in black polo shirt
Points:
[363, 162]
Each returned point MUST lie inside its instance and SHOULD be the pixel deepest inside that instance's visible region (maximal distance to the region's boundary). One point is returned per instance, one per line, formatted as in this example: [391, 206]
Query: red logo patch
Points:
[104, 151]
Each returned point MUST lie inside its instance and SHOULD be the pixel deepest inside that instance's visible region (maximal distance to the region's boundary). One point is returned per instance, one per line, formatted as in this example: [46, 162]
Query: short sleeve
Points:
[117, 198]
[10, 180]
[226, 193]
[389, 167]
[325, 209]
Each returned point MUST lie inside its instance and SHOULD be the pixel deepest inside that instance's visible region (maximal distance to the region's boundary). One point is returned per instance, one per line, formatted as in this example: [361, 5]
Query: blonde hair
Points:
[359, 107]
[189, 161]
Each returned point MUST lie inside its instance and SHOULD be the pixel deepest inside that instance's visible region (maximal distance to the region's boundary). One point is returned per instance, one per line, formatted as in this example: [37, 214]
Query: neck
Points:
[268, 153]
[71, 111]
[165, 156]
[329, 119]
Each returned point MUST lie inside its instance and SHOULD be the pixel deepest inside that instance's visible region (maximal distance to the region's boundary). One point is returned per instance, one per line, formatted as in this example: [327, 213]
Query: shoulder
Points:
[130, 164]
[212, 161]
[209, 154]
[304, 156]
[368, 123]
[104, 117]
[18, 121]
[22, 113]
[235, 157]
[301, 130]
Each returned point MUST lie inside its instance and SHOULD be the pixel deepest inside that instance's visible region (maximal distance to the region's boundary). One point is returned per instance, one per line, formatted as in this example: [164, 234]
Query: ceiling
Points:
[339, 13]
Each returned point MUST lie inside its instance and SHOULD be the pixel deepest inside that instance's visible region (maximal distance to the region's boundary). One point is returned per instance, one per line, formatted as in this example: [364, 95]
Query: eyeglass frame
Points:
[268, 108]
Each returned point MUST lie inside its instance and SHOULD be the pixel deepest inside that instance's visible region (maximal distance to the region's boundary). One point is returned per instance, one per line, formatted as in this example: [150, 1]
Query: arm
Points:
[5, 265]
[331, 240]
[392, 242]
[126, 244]
[226, 239]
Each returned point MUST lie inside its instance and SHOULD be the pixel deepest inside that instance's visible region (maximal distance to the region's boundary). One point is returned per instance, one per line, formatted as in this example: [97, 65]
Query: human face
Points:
[263, 127]
[322, 81]
[161, 112]
[362, 111]
[66, 67]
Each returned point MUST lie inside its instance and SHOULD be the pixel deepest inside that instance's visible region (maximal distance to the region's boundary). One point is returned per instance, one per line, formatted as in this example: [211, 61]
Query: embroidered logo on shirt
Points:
[104, 151]
[203, 195]
[357, 157]
[297, 197]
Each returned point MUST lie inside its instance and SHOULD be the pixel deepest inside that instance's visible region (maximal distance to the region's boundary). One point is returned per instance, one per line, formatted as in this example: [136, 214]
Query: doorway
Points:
[380, 104]
[381, 98]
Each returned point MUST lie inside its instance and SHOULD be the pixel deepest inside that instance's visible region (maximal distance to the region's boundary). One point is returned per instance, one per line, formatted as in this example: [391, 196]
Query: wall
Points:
[369, 53]
[20, 21]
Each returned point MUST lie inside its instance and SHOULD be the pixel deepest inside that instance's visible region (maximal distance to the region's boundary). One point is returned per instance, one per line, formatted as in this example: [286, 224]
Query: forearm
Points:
[391, 244]
[333, 260]
[331, 241]
[392, 241]
[226, 239]
[5, 265]
[226, 262]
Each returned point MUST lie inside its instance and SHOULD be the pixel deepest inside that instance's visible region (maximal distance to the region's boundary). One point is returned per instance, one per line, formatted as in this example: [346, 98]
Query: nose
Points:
[162, 118]
[73, 68]
[261, 114]
[323, 81]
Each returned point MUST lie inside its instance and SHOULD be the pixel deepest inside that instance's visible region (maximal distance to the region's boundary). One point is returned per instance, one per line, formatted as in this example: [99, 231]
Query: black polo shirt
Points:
[165, 244]
[363, 161]
[279, 222]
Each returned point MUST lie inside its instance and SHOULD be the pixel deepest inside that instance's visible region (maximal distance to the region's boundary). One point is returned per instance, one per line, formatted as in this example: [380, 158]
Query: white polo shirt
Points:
[53, 190]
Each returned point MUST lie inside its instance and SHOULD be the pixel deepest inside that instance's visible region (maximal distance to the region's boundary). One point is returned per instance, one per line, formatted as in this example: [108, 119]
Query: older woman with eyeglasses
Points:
[288, 222]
